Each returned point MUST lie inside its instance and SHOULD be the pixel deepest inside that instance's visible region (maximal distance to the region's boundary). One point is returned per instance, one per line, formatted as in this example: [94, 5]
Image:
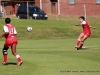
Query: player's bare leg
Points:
[13, 49]
[5, 53]
[79, 40]
[82, 41]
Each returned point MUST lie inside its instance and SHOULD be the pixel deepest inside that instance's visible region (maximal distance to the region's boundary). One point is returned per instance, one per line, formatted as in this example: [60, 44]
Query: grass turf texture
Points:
[53, 52]
[52, 29]
[54, 57]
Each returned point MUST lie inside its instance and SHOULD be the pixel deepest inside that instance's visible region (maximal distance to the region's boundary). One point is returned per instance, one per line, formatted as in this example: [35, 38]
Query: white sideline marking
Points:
[96, 47]
[93, 46]
[84, 47]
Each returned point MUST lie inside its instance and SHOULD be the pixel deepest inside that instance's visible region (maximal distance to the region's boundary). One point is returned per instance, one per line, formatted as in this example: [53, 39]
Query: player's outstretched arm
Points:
[92, 27]
[78, 25]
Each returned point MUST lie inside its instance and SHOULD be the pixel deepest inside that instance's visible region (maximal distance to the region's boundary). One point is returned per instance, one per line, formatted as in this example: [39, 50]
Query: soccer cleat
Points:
[20, 63]
[5, 63]
[77, 47]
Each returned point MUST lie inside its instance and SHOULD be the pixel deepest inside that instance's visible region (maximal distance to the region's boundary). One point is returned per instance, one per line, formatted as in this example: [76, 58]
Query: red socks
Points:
[81, 45]
[5, 57]
[78, 42]
[18, 58]
[6, 60]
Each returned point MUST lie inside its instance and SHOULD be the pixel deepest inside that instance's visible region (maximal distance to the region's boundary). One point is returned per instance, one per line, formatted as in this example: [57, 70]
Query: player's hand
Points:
[94, 27]
[76, 24]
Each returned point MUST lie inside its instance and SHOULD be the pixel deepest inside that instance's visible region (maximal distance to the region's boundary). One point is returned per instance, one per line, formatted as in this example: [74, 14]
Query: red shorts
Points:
[10, 41]
[87, 34]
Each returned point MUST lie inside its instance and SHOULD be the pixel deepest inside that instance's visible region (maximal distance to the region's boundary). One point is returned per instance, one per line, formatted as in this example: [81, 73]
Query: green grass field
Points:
[49, 49]
[54, 57]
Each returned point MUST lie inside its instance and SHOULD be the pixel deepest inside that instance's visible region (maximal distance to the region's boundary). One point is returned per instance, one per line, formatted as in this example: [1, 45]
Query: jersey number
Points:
[11, 30]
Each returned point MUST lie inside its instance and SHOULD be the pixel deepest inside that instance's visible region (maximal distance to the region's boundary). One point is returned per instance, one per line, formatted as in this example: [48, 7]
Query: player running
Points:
[11, 41]
[84, 34]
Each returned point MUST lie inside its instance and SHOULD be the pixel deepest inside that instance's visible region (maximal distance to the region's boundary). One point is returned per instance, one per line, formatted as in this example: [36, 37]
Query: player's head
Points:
[7, 20]
[81, 18]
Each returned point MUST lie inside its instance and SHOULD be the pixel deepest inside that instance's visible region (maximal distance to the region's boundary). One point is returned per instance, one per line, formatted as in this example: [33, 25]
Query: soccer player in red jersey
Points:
[11, 41]
[85, 33]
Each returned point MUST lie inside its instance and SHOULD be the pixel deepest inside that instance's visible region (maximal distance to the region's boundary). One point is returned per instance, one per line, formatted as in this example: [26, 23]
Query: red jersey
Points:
[86, 28]
[11, 30]
[10, 38]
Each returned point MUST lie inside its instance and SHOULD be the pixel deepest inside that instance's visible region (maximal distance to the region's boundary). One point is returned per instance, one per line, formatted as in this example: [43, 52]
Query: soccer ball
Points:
[29, 29]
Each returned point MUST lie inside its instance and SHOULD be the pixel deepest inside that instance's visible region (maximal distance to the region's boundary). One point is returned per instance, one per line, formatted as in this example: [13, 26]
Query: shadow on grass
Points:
[12, 63]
